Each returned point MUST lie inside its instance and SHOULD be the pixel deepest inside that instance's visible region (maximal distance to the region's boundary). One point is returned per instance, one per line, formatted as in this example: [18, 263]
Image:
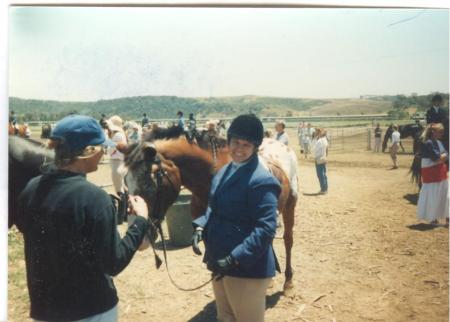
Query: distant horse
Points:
[46, 130]
[415, 168]
[407, 130]
[24, 162]
[17, 129]
[197, 166]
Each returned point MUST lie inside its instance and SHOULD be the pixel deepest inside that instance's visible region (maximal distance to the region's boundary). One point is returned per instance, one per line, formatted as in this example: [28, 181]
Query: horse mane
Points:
[181, 150]
[172, 132]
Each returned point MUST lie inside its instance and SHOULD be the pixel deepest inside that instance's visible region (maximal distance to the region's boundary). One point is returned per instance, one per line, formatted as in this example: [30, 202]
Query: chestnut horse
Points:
[196, 163]
[18, 129]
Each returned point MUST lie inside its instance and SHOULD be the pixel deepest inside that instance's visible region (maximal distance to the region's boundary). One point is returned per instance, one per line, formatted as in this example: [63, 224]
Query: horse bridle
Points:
[156, 221]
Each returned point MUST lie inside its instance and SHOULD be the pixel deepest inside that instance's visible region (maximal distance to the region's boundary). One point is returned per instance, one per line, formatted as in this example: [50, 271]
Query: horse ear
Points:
[149, 151]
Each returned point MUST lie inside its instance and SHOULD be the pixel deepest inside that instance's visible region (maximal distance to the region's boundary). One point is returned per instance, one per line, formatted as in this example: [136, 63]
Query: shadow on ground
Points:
[423, 227]
[412, 198]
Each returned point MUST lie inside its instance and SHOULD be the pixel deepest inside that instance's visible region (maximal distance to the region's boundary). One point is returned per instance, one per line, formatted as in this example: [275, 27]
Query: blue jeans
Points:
[321, 170]
[108, 316]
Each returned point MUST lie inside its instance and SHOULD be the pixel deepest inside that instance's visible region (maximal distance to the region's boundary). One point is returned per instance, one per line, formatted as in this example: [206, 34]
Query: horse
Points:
[196, 166]
[407, 130]
[25, 159]
[415, 168]
[17, 129]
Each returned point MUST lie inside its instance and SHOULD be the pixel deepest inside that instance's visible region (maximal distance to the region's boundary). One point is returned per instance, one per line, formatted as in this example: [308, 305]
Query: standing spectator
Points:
[395, 143]
[133, 136]
[300, 134]
[192, 127]
[72, 246]
[307, 139]
[144, 121]
[436, 114]
[433, 198]
[320, 156]
[377, 134]
[180, 119]
[281, 136]
[238, 235]
[102, 121]
[27, 131]
[118, 137]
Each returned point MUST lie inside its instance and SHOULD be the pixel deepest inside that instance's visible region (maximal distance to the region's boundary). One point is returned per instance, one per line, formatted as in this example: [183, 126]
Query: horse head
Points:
[149, 175]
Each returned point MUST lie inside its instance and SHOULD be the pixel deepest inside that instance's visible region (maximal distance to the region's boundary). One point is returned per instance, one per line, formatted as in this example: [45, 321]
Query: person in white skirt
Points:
[433, 198]
[119, 139]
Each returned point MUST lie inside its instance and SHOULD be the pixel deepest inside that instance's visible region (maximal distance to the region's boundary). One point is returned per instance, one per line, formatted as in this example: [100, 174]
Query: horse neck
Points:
[196, 165]
[29, 153]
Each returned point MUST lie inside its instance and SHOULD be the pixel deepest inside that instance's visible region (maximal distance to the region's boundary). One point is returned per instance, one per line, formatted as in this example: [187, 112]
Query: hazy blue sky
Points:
[102, 53]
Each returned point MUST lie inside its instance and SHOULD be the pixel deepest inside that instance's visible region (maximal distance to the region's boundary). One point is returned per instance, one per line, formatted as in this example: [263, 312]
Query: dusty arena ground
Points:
[359, 255]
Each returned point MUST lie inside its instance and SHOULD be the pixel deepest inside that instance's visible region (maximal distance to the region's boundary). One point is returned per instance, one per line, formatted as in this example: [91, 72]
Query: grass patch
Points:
[18, 300]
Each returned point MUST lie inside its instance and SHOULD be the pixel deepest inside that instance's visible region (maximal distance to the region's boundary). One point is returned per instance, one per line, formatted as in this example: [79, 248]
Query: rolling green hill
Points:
[158, 107]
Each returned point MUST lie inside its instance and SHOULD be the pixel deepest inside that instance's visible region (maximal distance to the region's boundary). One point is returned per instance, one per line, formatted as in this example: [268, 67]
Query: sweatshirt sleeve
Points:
[113, 252]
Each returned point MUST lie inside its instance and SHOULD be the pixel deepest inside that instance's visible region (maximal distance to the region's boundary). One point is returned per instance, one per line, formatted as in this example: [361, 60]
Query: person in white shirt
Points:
[308, 134]
[27, 131]
[281, 134]
[300, 134]
[320, 157]
[119, 139]
[395, 143]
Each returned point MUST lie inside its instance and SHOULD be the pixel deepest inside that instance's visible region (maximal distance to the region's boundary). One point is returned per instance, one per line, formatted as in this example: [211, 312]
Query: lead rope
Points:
[167, 267]
[159, 175]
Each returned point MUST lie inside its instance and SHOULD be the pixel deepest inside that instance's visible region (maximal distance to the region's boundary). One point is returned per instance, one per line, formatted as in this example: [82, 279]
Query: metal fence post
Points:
[369, 136]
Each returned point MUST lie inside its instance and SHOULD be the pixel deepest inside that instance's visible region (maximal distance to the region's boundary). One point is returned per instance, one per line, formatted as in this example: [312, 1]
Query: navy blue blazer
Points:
[241, 220]
[436, 117]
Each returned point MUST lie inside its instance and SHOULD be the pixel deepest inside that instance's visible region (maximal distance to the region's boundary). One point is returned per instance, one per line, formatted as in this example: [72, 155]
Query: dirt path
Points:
[359, 255]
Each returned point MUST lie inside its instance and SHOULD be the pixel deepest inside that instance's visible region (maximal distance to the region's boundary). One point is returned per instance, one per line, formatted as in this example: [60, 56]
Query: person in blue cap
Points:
[72, 246]
[239, 226]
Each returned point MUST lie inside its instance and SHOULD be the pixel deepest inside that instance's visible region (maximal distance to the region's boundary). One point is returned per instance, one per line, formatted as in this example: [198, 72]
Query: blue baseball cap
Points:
[78, 132]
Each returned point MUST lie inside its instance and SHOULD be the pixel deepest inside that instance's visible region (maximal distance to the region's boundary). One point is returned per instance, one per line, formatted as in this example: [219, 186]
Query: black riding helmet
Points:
[247, 127]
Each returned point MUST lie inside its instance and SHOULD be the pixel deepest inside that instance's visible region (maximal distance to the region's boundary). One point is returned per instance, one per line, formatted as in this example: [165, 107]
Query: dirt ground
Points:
[359, 255]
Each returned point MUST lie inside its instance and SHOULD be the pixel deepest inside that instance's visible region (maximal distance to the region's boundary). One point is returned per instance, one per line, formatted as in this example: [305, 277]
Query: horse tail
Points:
[387, 135]
[415, 169]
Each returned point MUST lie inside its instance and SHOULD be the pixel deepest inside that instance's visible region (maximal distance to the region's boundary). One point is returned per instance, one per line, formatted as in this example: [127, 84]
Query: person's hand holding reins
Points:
[138, 206]
[196, 238]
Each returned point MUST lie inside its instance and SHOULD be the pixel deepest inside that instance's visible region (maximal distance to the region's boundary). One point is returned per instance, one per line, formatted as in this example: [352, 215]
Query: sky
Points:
[88, 54]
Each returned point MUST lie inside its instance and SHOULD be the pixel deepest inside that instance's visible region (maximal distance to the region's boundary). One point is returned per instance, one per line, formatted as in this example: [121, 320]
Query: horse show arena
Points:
[359, 253]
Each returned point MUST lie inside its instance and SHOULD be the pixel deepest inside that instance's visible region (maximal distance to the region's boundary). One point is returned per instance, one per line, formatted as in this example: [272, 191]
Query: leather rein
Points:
[160, 173]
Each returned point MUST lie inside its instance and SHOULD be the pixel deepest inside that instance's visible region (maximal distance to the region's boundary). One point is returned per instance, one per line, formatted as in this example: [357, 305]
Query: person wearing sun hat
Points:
[72, 246]
[119, 139]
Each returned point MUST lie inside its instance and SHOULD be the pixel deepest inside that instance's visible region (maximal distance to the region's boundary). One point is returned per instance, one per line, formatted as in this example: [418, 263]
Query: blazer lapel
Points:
[238, 174]
[219, 183]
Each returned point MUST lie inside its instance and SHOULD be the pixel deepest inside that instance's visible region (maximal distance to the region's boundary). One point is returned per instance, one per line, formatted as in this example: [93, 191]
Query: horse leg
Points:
[288, 220]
